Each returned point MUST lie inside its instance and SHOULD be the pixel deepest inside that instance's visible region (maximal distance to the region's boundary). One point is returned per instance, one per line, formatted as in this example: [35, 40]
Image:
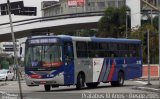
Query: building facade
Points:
[8, 49]
[18, 8]
[52, 8]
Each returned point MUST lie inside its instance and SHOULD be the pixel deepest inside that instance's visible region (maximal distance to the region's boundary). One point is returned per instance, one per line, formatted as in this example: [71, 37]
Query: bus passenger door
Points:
[69, 64]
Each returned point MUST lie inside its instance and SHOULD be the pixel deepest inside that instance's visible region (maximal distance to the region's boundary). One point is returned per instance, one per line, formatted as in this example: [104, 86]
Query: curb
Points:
[147, 89]
[146, 79]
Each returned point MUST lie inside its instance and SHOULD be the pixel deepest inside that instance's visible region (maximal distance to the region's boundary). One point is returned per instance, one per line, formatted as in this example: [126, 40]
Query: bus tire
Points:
[80, 81]
[120, 81]
[92, 85]
[47, 87]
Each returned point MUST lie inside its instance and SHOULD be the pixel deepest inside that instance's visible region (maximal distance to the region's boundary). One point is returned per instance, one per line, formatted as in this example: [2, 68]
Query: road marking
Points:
[12, 83]
[8, 96]
[87, 92]
[141, 82]
[149, 88]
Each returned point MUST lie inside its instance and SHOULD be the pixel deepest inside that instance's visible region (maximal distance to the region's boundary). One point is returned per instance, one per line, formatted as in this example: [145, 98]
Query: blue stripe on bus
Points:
[69, 73]
[108, 65]
[102, 72]
[57, 71]
[131, 70]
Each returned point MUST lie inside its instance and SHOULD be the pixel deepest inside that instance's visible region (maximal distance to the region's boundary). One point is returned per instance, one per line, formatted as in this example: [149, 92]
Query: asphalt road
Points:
[104, 91]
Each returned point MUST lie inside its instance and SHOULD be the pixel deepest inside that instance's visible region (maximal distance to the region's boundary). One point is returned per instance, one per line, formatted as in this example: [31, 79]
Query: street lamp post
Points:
[15, 50]
[148, 59]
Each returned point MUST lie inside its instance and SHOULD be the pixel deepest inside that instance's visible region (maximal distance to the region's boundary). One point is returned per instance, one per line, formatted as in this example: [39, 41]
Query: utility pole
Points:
[159, 36]
[151, 17]
[148, 54]
[15, 50]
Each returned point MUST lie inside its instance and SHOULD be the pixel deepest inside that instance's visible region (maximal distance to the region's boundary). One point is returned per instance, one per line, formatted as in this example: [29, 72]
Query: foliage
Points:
[148, 21]
[155, 22]
[113, 23]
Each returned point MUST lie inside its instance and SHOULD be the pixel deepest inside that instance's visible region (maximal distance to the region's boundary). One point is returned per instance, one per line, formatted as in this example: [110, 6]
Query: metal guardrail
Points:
[65, 16]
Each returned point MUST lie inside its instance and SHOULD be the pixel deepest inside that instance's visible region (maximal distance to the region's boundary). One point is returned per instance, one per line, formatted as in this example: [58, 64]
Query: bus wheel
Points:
[47, 87]
[120, 81]
[80, 81]
[92, 85]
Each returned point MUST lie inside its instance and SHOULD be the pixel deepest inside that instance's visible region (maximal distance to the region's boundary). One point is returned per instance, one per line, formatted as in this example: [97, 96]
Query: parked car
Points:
[6, 74]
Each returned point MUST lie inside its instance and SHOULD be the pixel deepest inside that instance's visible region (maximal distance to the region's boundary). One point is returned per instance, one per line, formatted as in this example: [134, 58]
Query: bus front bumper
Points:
[57, 80]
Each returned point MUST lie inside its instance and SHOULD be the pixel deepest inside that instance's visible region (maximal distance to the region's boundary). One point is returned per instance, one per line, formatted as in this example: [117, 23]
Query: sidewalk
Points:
[154, 87]
[146, 79]
[152, 78]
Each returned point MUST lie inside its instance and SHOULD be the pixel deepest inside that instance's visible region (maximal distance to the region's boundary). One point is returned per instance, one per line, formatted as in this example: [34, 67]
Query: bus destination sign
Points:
[41, 41]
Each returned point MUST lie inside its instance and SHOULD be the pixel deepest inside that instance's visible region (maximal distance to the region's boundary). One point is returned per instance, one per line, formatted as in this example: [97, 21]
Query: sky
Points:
[32, 3]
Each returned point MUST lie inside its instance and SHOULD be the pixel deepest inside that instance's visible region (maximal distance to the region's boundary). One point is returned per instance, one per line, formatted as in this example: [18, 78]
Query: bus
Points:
[61, 60]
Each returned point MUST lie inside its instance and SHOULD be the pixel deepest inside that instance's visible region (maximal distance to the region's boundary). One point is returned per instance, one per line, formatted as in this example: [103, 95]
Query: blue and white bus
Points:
[55, 61]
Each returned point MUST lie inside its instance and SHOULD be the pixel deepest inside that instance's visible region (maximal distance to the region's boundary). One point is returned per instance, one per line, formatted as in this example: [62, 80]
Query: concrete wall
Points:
[154, 70]
[89, 6]
[5, 18]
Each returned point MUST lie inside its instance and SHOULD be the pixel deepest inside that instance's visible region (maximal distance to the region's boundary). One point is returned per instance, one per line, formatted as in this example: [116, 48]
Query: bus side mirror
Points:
[20, 51]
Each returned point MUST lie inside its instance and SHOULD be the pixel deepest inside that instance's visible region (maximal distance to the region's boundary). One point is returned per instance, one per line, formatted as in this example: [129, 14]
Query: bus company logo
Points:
[51, 75]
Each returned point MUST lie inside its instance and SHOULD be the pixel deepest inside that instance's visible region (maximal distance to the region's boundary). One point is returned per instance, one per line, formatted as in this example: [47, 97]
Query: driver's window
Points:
[68, 50]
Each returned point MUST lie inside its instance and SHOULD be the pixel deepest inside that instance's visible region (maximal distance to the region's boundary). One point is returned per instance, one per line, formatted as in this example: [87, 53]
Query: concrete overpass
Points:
[51, 24]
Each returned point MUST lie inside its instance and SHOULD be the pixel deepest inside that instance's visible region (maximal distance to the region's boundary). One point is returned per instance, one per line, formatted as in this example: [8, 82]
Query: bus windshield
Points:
[43, 56]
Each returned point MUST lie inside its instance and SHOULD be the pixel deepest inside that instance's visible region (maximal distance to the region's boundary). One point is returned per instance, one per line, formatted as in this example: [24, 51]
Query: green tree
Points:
[113, 23]
[149, 20]
[155, 22]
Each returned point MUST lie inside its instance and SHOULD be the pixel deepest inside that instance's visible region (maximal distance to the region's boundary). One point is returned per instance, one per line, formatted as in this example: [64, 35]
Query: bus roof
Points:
[89, 39]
